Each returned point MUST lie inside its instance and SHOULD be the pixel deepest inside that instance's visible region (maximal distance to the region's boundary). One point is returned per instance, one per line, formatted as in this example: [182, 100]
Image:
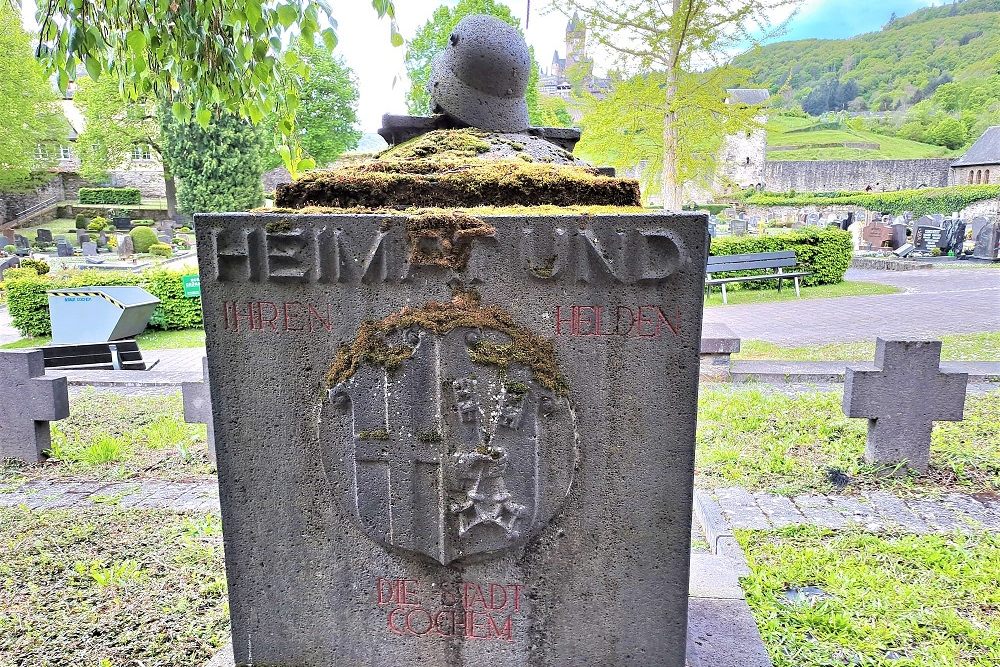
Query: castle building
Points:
[556, 80]
[743, 154]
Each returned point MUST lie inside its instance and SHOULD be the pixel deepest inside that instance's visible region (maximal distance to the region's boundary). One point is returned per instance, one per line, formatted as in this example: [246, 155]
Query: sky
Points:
[364, 39]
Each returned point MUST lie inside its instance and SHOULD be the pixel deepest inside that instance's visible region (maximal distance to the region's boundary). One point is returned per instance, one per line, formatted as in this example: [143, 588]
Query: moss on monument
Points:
[462, 143]
[464, 310]
[450, 234]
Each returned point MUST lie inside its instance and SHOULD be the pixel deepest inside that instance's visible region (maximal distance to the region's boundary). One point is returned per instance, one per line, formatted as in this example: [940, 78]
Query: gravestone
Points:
[8, 263]
[126, 247]
[102, 239]
[902, 399]
[899, 231]
[89, 249]
[926, 234]
[82, 237]
[987, 240]
[738, 227]
[877, 236]
[28, 401]
[64, 249]
[436, 508]
[952, 237]
[122, 223]
[163, 238]
[198, 406]
[812, 219]
[9, 235]
[21, 242]
[44, 236]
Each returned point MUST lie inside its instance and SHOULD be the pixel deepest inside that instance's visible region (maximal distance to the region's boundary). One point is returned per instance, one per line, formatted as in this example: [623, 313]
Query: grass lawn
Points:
[912, 600]
[109, 436]
[789, 131]
[107, 587]
[58, 227]
[847, 288]
[770, 441]
[984, 346]
[151, 339]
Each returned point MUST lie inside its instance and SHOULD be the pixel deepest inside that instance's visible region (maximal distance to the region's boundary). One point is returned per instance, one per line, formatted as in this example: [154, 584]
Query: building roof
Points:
[747, 95]
[986, 150]
[575, 24]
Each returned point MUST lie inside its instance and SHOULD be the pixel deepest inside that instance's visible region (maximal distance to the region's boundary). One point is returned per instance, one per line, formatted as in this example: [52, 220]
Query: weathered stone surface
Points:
[902, 399]
[513, 468]
[28, 402]
[482, 75]
[198, 406]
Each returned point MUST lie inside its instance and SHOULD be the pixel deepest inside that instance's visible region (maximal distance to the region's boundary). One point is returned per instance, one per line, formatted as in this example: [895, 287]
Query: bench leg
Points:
[779, 285]
[725, 299]
[798, 295]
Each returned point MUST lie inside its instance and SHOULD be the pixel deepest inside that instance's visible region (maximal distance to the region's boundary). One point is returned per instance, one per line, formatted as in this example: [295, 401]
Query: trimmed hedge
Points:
[28, 302]
[143, 238]
[920, 202]
[115, 196]
[825, 252]
[161, 249]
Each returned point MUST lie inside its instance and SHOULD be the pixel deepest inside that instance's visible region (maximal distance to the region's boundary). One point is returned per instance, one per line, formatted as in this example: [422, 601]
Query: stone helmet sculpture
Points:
[481, 77]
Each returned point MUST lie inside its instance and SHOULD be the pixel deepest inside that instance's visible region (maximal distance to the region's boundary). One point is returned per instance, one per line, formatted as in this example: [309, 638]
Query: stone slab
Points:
[723, 633]
[352, 508]
[834, 371]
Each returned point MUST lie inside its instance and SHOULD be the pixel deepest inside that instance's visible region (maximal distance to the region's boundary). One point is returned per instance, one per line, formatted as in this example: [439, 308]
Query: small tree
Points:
[676, 40]
[432, 38]
[219, 167]
[327, 119]
[31, 124]
[113, 128]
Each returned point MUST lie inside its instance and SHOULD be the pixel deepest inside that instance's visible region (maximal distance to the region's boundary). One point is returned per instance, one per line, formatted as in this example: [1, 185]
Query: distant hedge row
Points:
[825, 252]
[919, 202]
[29, 304]
[113, 196]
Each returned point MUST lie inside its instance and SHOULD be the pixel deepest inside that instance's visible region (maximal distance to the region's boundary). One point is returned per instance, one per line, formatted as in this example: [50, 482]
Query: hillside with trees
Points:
[931, 77]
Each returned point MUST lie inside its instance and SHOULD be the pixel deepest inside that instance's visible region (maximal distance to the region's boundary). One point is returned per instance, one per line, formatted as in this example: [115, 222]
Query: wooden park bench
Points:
[773, 263]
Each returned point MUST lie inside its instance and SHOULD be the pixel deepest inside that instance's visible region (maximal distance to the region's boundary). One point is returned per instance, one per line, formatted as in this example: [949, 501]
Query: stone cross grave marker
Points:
[902, 399]
[415, 468]
[28, 402]
[198, 406]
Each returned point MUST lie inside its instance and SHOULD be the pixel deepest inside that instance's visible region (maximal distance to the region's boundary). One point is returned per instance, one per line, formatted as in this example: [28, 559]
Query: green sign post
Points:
[191, 284]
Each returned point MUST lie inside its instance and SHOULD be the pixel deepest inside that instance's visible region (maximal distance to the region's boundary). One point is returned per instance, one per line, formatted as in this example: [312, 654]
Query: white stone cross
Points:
[28, 401]
[902, 399]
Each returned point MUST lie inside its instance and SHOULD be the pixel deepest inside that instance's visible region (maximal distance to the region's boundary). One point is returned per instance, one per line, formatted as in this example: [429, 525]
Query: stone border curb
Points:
[717, 532]
[224, 658]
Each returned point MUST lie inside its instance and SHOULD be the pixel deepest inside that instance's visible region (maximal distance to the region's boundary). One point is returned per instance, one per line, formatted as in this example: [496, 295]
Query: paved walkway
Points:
[934, 302]
[735, 507]
[8, 334]
[179, 496]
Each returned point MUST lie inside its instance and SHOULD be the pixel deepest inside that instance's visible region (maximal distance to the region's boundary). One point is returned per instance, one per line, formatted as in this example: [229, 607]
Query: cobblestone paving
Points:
[874, 510]
[179, 496]
[961, 301]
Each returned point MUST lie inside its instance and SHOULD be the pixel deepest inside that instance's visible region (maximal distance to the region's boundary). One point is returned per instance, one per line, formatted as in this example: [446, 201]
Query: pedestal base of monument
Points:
[718, 343]
[118, 355]
[721, 628]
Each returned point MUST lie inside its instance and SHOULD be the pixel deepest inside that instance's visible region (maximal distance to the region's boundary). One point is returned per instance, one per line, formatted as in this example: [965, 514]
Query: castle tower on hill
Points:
[576, 42]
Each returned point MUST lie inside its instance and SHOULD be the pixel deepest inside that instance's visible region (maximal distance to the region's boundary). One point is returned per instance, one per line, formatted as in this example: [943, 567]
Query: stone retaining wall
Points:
[855, 175]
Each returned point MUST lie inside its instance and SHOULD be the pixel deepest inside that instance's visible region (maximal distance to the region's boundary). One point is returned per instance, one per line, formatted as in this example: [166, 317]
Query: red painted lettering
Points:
[476, 597]
[272, 312]
[289, 311]
[506, 632]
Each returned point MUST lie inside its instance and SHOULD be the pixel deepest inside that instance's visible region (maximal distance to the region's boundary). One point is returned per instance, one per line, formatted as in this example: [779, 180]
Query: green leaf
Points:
[307, 163]
[330, 39]
[287, 15]
[396, 39]
[182, 112]
[93, 67]
[136, 40]
[204, 116]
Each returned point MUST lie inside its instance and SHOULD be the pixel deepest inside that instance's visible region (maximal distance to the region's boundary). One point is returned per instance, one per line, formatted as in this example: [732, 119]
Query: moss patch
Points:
[454, 185]
[547, 209]
[444, 239]
[462, 143]
[464, 310]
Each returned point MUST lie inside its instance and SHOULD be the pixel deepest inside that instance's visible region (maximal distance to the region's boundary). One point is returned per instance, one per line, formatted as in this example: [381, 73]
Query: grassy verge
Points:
[107, 587]
[148, 340]
[846, 288]
[111, 437]
[913, 600]
[983, 346]
[774, 442]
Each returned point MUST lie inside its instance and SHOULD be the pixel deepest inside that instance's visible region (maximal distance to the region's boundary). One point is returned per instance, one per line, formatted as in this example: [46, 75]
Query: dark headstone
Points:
[44, 236]
[8, 263]
[64, 249]
[397, 452]
[82, 237]
[21, 241]
[898, 239]
[952, 237]
[902, 400]
[987, 241]
[102, 239]
[926, 234]
[122, 223]
[28, 402]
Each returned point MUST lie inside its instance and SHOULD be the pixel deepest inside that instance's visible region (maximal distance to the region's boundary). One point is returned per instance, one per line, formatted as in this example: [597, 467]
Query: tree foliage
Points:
[29, 113]
[432, 38]
[552, 112]
[203, 57]
[662, 46]
[219, 167]
[327, 119]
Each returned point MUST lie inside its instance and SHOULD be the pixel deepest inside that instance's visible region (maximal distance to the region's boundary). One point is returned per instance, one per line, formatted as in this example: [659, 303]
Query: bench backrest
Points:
[753, 260]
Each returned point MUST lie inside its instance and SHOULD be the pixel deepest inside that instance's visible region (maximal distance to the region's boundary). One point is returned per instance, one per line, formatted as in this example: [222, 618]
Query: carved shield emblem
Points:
[448, 439]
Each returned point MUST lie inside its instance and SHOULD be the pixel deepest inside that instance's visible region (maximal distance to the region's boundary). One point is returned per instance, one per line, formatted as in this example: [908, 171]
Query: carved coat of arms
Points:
[447, 431]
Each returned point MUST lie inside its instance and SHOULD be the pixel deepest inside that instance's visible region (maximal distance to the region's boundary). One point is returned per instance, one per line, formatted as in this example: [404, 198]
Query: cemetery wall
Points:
[148, 181]
[855, 175]
[13, 204]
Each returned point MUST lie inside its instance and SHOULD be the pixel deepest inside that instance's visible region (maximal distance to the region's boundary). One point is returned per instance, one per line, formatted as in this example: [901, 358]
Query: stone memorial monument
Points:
[28, 402]
[447, 438]
[902, 399]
